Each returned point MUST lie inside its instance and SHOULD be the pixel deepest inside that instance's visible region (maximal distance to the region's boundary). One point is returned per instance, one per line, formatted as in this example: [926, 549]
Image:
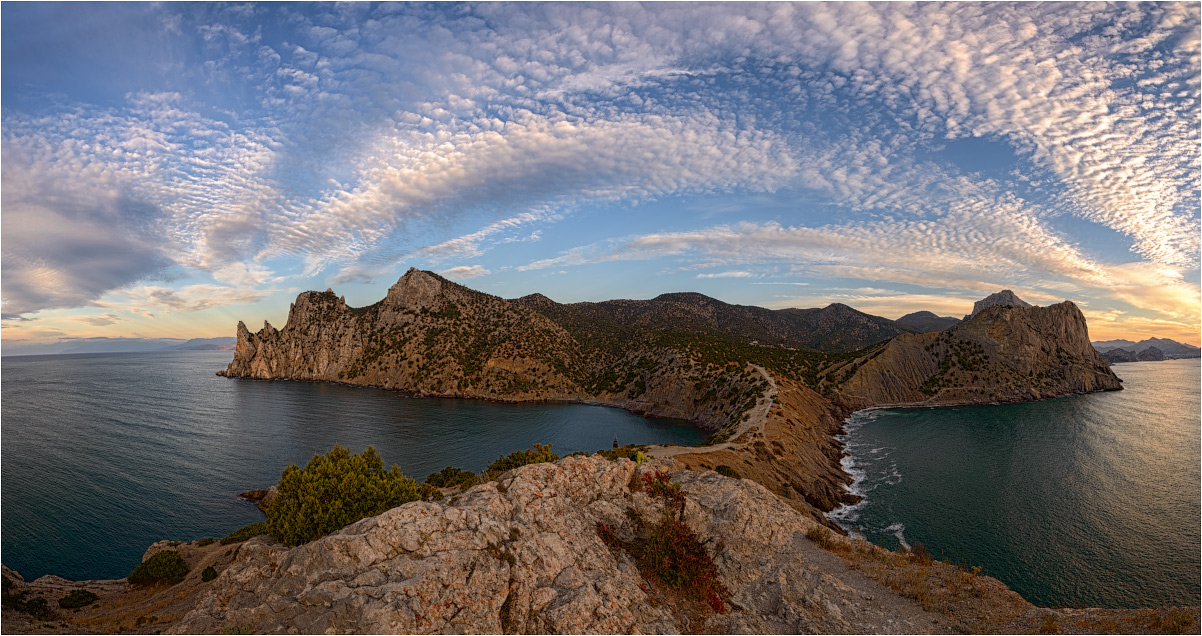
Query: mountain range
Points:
[1170, 348]
[121, 345]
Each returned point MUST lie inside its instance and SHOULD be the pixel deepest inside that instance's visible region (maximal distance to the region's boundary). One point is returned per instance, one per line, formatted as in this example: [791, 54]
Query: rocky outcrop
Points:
[1002, 354]
[262, 497]
[430, 336]
[1004, 298]
[523, 555]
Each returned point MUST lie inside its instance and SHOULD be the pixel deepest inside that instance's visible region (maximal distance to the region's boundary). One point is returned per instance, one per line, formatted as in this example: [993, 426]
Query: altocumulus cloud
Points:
[343, 134]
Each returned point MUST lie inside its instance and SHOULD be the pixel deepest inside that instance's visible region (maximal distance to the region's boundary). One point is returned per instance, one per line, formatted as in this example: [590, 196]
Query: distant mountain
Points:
[1107, 345]
[225, 343]
[1168, 348]
[1004, 298]
[925, 321]
[1151, 354]
[835, 328]
[120, 345]
[1115, 356]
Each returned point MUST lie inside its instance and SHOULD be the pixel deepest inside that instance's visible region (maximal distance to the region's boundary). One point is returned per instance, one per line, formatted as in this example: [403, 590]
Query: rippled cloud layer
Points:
[217, 156]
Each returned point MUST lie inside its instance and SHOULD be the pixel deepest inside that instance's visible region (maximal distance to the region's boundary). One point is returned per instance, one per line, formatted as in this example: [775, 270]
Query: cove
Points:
[104, 454]
[1080, 501]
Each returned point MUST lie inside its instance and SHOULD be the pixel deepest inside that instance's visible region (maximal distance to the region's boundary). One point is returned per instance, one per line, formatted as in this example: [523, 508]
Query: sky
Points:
[169, 169]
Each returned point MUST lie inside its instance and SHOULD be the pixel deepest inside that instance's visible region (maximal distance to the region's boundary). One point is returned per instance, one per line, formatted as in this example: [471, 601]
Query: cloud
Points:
[464, 271]
[150, 299]
[68, 237]
[99, 321]
[730, 274]
[353, 137]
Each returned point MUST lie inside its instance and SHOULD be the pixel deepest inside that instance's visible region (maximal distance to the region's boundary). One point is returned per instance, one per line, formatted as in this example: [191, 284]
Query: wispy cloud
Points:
[464, 271]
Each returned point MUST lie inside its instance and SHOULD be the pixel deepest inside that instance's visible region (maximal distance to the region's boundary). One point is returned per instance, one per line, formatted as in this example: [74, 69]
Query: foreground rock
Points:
[523, 555]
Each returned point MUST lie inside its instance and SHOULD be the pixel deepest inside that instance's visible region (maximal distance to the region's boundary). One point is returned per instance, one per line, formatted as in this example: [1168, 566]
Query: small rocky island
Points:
[546, 547]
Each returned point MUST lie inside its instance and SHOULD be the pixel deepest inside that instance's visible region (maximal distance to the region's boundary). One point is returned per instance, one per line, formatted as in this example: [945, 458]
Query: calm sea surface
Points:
[1088, 500]
[104, 454]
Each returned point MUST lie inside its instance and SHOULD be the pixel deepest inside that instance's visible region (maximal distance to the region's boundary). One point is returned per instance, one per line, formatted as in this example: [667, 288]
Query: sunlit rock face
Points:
[1004, 353]
[1004, 298]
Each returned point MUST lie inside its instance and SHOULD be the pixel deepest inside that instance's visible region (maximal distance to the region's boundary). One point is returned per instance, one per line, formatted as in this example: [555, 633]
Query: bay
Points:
[1081, 501]
[103, 454]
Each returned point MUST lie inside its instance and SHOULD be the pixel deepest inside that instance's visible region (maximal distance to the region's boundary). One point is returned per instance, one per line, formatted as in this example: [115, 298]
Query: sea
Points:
[1080, 501]
[103, 454]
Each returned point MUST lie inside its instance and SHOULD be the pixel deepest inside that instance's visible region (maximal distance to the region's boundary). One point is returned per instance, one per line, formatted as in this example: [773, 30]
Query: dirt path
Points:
[759, 415]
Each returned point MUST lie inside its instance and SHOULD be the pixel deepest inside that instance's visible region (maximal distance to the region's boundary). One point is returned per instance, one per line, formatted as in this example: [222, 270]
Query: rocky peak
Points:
[1004, 298]
[415, 290]
[536, 300]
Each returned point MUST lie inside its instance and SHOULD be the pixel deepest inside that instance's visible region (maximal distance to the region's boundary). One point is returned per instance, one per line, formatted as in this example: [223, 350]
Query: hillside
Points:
[924, 321]
[430, 336]
[835, 328]
[1002, 354]
[553, 548]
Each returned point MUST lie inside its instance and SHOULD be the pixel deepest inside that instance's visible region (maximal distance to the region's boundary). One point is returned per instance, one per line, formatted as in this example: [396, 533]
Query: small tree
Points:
[333, 491]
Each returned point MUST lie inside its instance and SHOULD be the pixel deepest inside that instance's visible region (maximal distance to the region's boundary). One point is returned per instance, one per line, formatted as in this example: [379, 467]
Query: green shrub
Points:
[244, 533]
[77, 599]
[205, 541]
[333, 491]
[208, 574]
[541, 453]
[35, 606]
[167, 566]
[726, 471]
[451, 477]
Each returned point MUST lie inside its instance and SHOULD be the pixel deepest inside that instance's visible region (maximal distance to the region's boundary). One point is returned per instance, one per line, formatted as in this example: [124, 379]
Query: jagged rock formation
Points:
[924, 321]
[430, 336]
[1004, 353]
[1004, 298]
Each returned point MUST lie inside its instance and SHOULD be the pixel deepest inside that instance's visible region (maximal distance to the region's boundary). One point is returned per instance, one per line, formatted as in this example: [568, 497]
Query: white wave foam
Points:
[899, 530]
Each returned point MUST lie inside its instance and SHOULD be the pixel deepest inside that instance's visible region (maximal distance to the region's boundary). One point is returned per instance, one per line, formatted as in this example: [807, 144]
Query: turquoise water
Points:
[1082, 501]
[104, 454]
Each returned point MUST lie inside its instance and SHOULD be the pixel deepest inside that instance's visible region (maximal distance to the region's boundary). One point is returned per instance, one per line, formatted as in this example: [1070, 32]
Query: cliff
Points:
[430, 336]
[1002, 354]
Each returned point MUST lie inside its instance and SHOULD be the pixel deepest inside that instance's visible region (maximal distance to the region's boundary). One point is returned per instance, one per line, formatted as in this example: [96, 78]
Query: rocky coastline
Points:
[527, 544]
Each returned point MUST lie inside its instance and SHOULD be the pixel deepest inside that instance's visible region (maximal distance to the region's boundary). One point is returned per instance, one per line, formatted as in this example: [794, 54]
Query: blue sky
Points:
[169, 169]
